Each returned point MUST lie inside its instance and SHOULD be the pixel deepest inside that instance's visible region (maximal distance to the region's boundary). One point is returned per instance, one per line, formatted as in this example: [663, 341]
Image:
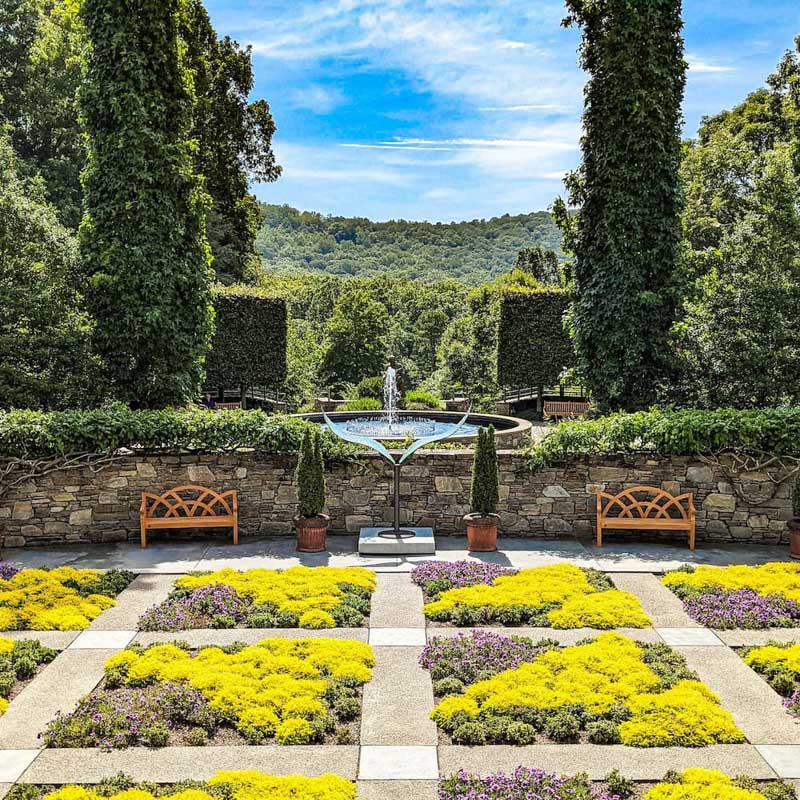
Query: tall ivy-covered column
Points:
[626, 235]
[143, 241]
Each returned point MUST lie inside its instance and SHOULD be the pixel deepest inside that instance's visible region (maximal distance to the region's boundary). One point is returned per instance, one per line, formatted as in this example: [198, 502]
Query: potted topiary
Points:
[794, 523]
[310, 523]
[482, 521]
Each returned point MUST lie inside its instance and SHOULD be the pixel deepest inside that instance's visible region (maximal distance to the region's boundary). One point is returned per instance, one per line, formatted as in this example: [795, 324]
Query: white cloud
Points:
[316, 98]
[700, 66]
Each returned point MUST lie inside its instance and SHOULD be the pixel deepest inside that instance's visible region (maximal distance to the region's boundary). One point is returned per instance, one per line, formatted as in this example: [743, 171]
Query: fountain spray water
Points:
[390, 396]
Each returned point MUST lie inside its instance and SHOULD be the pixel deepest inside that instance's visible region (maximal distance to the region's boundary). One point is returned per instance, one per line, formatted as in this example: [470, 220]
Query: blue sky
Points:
[457, 109]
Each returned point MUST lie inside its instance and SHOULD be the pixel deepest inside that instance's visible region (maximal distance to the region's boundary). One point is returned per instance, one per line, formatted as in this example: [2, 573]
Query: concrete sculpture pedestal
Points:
[384, 541]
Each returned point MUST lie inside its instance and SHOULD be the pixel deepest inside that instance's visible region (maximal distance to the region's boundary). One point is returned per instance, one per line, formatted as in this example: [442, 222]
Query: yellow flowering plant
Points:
[318, 597]
[775, 578]
[779, 663]
[63, 599]
[236, 785]
[292, 691]
[610, 689]
[557, 596]
[705, 784]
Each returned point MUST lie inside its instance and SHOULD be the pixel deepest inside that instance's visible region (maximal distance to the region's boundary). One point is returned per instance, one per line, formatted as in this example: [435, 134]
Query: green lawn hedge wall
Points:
[249, 346]
[533, 348]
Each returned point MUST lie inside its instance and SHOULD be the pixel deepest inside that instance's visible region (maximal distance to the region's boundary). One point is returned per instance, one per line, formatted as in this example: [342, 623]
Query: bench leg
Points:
[236, 532]
[599, 534]
[143, 536]
[691, 538]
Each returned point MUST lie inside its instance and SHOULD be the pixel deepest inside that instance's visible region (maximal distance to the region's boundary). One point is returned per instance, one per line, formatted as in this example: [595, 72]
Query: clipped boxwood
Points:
[533, 347]
[249, 345]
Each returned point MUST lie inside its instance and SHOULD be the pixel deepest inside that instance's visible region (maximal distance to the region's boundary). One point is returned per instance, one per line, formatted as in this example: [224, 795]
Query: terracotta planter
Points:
[481, 532]
[311, 533]
[794, 536]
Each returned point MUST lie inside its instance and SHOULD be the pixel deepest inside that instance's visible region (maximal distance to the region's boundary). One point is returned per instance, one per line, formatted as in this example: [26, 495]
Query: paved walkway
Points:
[398, 757]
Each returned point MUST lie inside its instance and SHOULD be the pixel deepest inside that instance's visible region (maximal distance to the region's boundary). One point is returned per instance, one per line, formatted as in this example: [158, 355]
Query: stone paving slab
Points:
[636, 763]
[171, 764]
[396, 603]
[784, 759]
[102, 640]
[398, 763]
[398, 700]
[565, 637]
[757, 709]
[14, 762]
[689, 637]
[744, 638]
[4, 789]
[57, 640]
[226, 636]
[142, 593]
[397, 637]
[658, 602]
[58, 687]
[394, 790]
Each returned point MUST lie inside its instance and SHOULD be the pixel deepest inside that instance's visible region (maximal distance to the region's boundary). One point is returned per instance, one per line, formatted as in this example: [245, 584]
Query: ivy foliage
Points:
[142, 240]
[249, 344]
[310, 476]
[533, 347]
[668, 432]
[485, 488]
[626, 235]
[32, 434]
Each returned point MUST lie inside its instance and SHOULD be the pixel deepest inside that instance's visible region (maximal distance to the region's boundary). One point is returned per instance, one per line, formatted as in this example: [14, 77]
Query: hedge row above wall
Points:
[533, 348]
[37, 434]
[249, 345]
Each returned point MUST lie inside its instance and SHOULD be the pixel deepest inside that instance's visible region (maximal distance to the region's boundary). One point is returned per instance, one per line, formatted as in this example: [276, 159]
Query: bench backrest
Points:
[645, 502]
[189, 501]
[572, 408]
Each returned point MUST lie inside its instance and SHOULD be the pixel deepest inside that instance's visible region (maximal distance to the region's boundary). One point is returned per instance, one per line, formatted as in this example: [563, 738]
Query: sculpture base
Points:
[383, 541]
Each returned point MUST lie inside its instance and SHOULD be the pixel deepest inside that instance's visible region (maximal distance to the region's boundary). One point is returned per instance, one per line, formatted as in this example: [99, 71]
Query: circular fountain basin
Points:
[511, 432]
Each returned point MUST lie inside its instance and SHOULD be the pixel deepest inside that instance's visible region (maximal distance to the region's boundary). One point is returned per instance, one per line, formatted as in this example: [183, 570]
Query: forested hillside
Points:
[292, 241]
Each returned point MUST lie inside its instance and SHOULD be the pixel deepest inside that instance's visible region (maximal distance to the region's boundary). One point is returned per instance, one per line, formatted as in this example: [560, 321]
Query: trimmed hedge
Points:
[43, 434]
[533, 347]
[249, 346]
[770, 430]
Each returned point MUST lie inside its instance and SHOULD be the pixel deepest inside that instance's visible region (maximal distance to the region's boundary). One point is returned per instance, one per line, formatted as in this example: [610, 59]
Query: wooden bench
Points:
[565, 408]
[189, 507]
[234, 406]
[645, 508]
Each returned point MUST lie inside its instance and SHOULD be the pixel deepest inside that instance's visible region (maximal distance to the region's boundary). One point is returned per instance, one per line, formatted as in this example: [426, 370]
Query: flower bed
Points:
[318, 597]
[605, 690]
[767, 596]
[558, 596]
[245, 785]
[780, 665]
[19, 662]
[63, 599]
[534, 784]
[282, 690]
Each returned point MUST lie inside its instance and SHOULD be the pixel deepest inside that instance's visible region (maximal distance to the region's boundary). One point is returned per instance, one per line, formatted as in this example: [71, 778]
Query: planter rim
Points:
[317, 521]
[482, 520]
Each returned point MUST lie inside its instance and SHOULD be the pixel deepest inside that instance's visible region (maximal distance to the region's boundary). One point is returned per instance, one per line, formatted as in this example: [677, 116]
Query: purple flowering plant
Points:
[7, 570]
[792, 703]
[521, 784]
[475, 656]
[438, 576]
[742, 608]
[211, 606]
[131, 716]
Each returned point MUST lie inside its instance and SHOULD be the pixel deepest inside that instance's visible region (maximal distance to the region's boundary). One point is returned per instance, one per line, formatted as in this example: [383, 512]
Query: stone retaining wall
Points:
[78, 506]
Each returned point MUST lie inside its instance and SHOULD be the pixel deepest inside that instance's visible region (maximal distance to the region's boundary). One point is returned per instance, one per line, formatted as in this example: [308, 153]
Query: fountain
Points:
[394, 539]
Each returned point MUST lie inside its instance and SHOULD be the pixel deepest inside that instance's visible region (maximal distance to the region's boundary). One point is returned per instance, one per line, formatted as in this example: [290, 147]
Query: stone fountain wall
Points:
[78, 506]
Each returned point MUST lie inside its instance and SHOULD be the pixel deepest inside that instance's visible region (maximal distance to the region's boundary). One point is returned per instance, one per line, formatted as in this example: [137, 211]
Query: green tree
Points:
[142, 240]
[39, 95]
[355, 345]
[43, 334]
[739, 340]
[626, 235]
[541, 263]
[234, 141]
[310, 476]
[485, 487]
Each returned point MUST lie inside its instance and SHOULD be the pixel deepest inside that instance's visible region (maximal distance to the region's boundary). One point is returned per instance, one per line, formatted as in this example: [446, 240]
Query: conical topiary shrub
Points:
[310, 523]
[484, 494]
